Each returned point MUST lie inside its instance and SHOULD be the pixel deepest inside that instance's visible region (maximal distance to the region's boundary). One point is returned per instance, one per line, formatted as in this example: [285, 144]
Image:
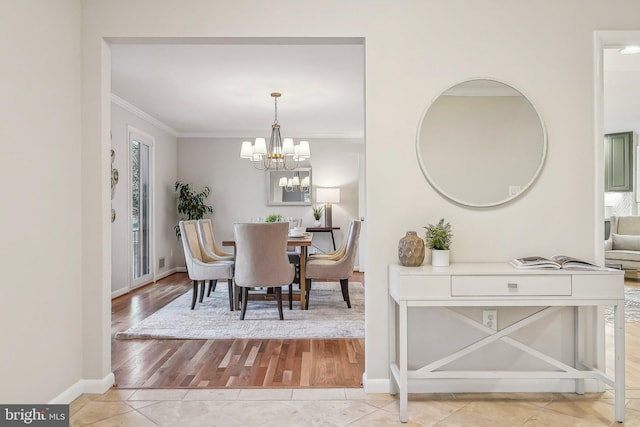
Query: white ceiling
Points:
[621, 91]
[223, 90]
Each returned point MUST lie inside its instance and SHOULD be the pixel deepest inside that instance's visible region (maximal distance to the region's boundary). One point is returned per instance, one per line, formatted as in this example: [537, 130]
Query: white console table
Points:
[495, 285]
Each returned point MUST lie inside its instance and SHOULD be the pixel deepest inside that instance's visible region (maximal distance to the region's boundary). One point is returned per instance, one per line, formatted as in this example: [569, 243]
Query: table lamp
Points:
[328, 196]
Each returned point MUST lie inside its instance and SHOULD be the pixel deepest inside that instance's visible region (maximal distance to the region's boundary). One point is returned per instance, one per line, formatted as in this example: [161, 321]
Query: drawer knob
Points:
[512, 285]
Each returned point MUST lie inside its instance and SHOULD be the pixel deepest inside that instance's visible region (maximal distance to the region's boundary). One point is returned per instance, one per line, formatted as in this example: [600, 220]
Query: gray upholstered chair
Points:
[261, 259]
[198, 269]
[338, 253]
[336, 266]
[210, 250]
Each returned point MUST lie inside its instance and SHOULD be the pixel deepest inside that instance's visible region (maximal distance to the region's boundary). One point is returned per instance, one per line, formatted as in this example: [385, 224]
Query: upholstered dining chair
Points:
[338, 253]
[198, 269]
[210, 250]
[261, 260]
[336, 266]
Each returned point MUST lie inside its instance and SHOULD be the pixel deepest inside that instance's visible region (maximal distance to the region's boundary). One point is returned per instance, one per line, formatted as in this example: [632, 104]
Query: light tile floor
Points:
[343, 407]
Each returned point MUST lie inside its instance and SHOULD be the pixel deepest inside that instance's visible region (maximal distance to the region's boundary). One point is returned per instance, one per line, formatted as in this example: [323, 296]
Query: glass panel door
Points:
[141, 224]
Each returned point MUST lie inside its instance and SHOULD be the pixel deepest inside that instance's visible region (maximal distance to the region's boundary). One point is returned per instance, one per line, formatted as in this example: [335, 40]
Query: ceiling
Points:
[223, 90]
[621, 91]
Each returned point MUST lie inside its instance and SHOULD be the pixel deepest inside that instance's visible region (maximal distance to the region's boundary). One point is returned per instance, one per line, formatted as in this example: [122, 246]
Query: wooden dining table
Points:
[303, 243]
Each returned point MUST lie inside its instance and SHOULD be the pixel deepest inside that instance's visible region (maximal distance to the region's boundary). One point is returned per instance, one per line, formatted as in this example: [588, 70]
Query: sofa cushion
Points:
[622, 256]
[629, 225]
[626, 242]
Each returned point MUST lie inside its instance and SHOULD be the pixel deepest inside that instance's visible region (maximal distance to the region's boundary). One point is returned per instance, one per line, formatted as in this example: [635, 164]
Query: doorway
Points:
[162, 243]
[141, 212]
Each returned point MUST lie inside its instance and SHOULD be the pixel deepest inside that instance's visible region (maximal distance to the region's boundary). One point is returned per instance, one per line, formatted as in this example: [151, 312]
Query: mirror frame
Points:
[507, 199]
[270, 177]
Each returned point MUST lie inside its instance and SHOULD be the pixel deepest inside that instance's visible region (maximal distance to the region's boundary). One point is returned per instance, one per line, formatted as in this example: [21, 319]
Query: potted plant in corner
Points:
[317, 214]
[191, 203]
[438, 239]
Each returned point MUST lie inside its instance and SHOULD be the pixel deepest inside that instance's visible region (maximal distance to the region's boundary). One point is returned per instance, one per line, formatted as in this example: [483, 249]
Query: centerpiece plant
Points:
[438, 239]
[274, 218]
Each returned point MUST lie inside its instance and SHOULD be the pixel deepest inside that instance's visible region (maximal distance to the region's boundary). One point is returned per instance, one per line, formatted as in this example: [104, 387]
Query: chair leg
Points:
[307, 293]
[237, 295]
[279, 298]
[344, 284]
[195, 294]
[230, 282]
[212, 287]
[202, 285]
[291, 296]
[245, 300]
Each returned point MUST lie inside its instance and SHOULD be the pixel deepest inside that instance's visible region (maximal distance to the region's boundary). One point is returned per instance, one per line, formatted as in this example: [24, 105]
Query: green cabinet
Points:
[618, 157]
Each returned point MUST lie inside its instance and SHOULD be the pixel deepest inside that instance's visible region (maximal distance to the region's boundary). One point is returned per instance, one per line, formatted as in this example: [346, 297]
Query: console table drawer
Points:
[524, 285]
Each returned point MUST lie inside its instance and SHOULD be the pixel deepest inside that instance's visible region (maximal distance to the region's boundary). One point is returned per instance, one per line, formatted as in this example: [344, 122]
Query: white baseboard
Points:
[84, 387]
[383, 385]
[122, 291]
[166, 274]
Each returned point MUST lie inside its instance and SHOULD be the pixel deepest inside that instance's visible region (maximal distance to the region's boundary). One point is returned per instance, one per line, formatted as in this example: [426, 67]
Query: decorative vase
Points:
[439, 258]
[411, 249]
[317, 223]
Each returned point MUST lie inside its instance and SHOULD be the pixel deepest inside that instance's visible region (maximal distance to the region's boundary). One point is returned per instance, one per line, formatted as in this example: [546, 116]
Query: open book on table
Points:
[554, 262]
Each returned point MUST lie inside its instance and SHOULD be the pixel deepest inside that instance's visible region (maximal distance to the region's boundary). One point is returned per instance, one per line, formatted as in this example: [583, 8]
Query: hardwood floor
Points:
[257, 363]
[244, 363]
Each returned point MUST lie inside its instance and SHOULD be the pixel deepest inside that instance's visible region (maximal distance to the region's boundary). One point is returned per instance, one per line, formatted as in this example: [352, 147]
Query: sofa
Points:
[622, 248]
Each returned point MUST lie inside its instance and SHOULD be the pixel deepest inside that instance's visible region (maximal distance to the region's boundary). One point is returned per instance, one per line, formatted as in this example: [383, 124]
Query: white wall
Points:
[414, 49]
[238, 190]
[165, 243]
[41, 310]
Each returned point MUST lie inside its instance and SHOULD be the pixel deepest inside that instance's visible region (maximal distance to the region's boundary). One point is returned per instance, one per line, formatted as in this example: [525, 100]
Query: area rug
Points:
[631, 306]
[327, 317]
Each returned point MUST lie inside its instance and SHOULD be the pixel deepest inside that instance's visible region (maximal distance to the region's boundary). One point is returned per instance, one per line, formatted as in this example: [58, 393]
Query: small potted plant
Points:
[438, 239]
[317, 214]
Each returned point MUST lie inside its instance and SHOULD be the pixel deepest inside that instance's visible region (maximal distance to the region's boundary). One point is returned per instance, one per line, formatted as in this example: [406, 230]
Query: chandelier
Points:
[295, 183]
[280, 154]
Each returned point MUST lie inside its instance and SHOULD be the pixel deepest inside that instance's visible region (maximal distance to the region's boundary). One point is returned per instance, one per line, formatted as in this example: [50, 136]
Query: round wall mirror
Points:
[481, 143]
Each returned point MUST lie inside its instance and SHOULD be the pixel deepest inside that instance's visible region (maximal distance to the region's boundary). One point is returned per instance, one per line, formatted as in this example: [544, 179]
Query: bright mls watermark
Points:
[34, 415]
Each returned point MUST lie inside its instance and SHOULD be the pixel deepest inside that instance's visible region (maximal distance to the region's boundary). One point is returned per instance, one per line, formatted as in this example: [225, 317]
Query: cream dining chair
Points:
[337, 265]
[261, 260]
[198, 269]
[210, 250]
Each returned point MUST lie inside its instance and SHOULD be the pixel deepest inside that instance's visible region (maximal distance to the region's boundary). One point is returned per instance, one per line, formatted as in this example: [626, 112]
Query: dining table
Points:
[302, 242]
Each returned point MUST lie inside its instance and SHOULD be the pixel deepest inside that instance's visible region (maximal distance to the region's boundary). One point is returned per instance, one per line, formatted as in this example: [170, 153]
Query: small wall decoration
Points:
[114, 180]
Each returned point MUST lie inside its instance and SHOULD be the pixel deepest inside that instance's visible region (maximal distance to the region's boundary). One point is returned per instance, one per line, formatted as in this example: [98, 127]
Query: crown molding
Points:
[142, 115]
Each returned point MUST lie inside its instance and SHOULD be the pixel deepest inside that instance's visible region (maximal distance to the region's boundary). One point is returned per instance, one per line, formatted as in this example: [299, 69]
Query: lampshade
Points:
[303, 151]
[287, 146]
[246, 151]
[328, 195]
[283, 182]
[260, 147]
